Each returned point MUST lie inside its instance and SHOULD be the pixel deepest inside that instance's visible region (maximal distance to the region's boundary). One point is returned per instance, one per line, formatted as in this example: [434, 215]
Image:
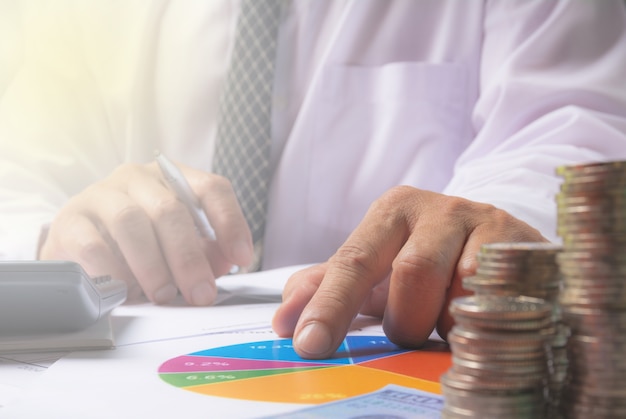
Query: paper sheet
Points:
[124, 383]
[136, 323]
[18, 370]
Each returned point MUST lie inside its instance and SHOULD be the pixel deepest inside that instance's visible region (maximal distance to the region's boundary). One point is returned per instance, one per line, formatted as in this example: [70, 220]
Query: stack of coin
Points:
[525, 268]
[592, 222]
[528, 269]
[499, 363]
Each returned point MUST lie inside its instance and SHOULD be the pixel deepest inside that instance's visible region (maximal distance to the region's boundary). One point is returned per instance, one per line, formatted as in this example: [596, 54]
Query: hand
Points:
[131, 226]
[404, 263]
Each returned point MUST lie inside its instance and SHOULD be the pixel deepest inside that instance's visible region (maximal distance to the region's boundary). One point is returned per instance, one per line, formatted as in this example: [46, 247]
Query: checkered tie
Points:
[244, 134]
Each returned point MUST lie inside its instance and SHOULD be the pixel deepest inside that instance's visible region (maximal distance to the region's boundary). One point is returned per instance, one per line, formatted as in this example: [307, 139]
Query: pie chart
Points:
[271, 370]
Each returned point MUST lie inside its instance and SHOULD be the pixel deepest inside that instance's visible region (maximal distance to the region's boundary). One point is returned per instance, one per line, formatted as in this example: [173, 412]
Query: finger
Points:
[178, 249]
[219, 201]
[466, 266]
[359, 264]
[498, 227]
[297, 292]
[445, 320]
[375, 303]
[132, 231]
[420, 279]
[75, 237]
[220, 264]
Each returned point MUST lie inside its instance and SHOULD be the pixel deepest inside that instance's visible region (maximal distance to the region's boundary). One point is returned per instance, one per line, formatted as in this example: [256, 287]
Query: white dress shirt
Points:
[479, 99]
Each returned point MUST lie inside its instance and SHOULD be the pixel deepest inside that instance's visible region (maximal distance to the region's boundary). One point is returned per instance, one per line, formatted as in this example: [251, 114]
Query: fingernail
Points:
[203, 294]
[314, 340]
[165, 294]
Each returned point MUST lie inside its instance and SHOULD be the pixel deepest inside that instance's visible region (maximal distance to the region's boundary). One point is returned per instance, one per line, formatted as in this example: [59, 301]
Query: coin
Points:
[501, 308]
[591, 219]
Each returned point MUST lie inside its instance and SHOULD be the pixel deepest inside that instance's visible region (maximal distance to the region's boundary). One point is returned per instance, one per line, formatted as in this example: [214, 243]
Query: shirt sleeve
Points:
[88, 86]
[552, 92]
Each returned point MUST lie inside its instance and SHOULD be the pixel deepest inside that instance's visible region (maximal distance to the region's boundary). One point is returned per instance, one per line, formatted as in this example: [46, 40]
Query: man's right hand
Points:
[132, 226]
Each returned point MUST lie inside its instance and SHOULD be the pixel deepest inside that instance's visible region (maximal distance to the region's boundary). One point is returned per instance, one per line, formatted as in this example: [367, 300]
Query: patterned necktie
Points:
[244, 134]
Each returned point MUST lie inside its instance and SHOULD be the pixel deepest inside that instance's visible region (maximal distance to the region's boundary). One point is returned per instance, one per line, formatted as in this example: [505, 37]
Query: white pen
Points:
[177, 182]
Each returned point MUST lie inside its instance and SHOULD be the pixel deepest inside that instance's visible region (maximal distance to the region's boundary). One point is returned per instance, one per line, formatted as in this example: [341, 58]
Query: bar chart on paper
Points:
[272, 371]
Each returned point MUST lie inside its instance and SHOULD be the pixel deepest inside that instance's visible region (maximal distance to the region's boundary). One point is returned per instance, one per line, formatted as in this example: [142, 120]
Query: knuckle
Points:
[212, 184]
[341, 297]
[128, 218]
[186, 259]
[389, 201]
[92, 249]
[417, 264]
[502, 222]
[359, 259]
[399, 192]
[464, 214]
[166, 208]
[420, 274]
[502, 226]
[351, 264]
[400, 205]
[459, 208]
[502, 218]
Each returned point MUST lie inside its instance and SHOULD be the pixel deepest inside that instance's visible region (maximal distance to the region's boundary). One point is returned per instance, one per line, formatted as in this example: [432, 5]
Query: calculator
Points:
[47, 297]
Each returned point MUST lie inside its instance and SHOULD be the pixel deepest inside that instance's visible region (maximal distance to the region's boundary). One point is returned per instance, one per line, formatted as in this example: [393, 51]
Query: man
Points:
[404, 135]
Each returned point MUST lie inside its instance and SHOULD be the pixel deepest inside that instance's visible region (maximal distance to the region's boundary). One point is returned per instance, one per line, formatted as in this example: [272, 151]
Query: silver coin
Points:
[503, 384]
[530, 411]
[486, 341]
[496, 324]
[477, 399]
[595, 215]
[610, 299]
[518, 257]
[586, 256]
[489, 367]
[613, 221]
[596, 170]
[595, 209]
[495, 357]
[591, 187]
[536, 275]
[514, 247]
[593, 318]
[603, 226]
[505, 308]
[481, 281]
[588, 271]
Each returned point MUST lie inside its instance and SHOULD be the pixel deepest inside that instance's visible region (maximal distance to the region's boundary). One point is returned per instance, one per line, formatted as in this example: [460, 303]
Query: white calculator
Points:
[40, 297]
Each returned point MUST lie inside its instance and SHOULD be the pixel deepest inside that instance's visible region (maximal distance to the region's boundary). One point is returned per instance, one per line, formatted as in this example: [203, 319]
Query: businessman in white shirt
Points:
[405, 134]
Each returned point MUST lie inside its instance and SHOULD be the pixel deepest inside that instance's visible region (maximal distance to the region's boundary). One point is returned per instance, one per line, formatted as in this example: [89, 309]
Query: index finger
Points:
[219, 201]
[360, 263]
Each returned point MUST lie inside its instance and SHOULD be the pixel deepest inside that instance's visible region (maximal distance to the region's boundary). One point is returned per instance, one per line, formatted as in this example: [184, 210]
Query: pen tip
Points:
[156, 152]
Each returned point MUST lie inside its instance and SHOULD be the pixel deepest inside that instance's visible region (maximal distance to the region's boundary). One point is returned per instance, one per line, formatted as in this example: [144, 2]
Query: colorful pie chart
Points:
[272, 371]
